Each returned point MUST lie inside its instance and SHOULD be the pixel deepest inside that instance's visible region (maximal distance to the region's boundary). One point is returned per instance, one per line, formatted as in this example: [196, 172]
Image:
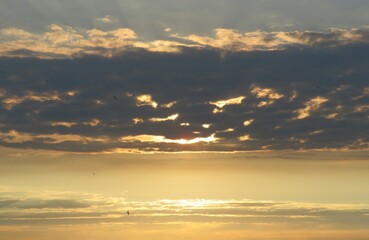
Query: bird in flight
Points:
[115, 97]
[128, 213]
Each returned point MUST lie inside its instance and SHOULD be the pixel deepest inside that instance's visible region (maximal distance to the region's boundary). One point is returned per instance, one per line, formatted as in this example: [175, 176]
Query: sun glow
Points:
[194, 203]
[162, 139]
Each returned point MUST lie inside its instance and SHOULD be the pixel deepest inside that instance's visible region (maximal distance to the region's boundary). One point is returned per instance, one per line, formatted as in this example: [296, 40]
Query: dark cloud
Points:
[320, 100]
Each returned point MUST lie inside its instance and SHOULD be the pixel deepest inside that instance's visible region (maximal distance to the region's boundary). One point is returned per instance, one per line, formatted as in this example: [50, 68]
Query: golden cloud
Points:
[169, 105]
[137, 120]
[169, 118]
[266, 93]
[206, 125]
[221, 103]
[10, 102]
[146, 100]
[65, 41]
[362, 108]
[232, 40]
[248, 122]
[245, 137]
[310, 106]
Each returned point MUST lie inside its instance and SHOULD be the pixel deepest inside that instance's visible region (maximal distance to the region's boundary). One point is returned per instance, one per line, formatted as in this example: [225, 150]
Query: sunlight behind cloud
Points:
[146, 100]
[169, 118]
[231, 101]
[248, 122]
[266, 93]
[162, 139]
[245, 137]
[222, 103]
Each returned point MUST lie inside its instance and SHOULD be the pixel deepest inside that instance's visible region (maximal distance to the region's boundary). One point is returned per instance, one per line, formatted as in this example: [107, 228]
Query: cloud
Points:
[310, 106]
[24, 201]
[137, 120]
[145, 100]
[201, 16]
[232, 40]
[162, 139]
[51, 209]
[245, 137]
[266, 93]
[248, 122]
[65, 41]
[169, 118]
[16, 137]
[278, 97]
[10, 102]
[15, 33]
[107, 19]
[169, 105]
[41, 204]
[221, 103]
[362, 108]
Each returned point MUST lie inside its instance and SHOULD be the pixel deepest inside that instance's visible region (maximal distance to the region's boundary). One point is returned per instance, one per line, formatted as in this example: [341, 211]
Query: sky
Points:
[208, 119]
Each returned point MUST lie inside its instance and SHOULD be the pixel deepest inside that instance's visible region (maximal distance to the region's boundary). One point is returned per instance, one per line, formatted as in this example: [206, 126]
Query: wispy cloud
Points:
[63, 208]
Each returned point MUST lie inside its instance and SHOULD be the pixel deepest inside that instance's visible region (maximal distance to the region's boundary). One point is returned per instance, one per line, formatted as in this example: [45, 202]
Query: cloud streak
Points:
[49, 208]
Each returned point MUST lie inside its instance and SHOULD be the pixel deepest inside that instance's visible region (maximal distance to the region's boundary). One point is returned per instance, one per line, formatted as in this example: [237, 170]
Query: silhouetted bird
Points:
[115, 97]
[128, 213]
